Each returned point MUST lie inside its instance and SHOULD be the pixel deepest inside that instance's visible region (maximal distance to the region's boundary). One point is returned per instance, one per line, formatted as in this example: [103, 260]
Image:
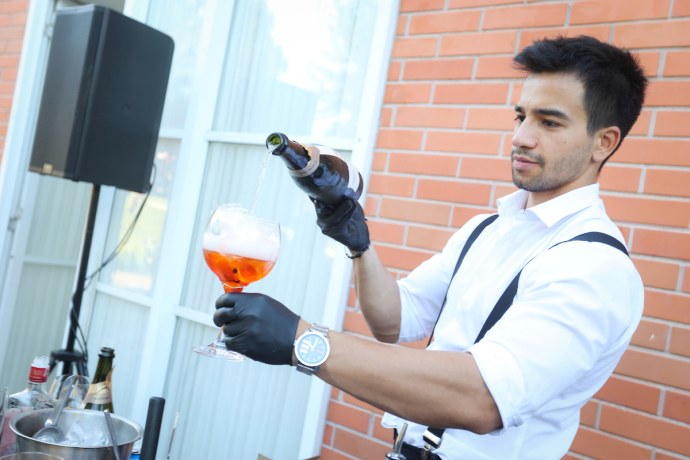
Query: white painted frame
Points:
[15, 159]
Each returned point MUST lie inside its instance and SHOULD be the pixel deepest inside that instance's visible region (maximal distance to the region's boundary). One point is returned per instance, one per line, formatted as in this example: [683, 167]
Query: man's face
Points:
[552, 152]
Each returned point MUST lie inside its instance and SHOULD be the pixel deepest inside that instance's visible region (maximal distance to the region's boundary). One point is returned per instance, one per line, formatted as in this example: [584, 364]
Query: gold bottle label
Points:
[101, 392]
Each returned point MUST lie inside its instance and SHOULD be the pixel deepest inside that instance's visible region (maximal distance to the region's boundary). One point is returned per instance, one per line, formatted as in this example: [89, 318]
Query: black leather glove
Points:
[257, 326]
[345, 223]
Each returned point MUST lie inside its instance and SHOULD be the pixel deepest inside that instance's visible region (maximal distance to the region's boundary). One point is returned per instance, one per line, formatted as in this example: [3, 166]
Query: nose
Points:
[524, 136]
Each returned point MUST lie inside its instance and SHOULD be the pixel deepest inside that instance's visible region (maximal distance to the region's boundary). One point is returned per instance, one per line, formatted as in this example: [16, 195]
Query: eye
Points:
[519, 118]
[551, 124]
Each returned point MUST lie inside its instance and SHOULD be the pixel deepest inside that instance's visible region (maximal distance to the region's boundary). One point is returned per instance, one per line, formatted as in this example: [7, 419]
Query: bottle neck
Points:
[293, 154]
[36, 386]
[103, 369]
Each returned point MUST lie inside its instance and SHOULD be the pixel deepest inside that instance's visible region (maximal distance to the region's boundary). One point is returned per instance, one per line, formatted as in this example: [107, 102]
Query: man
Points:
[517, 392]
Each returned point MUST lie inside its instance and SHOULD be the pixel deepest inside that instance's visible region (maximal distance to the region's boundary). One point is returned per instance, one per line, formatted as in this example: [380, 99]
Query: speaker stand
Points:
[68, 356]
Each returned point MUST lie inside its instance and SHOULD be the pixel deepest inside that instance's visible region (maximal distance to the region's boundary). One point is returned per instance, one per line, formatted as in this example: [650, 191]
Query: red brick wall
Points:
[442, 157]
[12, 22]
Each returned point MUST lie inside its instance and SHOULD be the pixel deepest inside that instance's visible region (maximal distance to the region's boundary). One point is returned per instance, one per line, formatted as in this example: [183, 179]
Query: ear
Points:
[606, 141]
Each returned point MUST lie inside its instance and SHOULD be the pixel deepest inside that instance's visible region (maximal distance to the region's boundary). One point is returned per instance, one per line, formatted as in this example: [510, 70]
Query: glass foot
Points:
[216, 350]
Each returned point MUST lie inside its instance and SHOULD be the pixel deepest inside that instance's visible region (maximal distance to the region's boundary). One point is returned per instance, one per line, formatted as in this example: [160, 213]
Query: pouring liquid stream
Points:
[260, 181]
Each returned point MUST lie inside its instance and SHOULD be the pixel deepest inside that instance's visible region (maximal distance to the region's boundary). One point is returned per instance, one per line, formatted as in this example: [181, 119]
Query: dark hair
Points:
[613, 79]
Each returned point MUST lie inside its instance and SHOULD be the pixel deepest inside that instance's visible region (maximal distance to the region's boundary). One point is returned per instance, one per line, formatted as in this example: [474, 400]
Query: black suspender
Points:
[473, 236]
[509, 294]
[432, 436]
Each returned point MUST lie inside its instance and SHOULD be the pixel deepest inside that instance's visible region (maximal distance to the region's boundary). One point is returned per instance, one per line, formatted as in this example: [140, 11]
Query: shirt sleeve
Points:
[423, 290]
[565, 332]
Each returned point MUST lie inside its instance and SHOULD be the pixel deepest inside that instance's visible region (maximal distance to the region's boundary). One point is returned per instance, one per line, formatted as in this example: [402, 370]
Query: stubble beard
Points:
[561, 172]
[530, 184]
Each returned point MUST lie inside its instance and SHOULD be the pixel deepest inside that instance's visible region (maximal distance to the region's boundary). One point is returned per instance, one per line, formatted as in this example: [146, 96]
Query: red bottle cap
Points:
[39, 370]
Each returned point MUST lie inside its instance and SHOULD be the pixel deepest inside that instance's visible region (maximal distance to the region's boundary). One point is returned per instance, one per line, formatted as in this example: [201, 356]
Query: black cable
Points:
[79, 333]
[125, 237]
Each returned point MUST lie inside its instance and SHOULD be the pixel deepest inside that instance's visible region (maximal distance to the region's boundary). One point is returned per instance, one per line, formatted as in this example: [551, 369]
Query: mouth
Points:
[521, 161]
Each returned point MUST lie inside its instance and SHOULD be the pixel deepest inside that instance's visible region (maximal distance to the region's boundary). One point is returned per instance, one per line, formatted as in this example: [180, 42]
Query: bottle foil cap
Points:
[40, 368]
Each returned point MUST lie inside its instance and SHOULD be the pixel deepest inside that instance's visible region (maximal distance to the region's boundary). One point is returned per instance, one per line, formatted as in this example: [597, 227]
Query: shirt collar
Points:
[553, 210]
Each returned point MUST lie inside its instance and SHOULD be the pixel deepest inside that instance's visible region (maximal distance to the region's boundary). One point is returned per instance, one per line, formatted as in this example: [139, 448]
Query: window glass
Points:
[137, 239]
[182, 20]
[295, 66]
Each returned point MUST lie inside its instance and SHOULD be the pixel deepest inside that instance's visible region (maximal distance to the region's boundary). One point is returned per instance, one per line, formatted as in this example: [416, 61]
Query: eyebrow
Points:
[546, 112]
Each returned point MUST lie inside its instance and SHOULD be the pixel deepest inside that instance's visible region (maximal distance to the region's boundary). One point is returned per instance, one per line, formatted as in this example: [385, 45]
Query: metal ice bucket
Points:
[26, 424]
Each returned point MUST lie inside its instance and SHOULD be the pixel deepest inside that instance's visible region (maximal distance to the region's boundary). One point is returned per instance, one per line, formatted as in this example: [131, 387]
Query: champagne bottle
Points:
[318, 170]
[34, 396]
[99, 396]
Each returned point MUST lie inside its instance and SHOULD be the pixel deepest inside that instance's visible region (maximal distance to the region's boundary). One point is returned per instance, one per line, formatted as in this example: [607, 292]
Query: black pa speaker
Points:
[102, 101]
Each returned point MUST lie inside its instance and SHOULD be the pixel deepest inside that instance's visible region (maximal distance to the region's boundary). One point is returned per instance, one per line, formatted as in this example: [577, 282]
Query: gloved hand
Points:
[345, 223]
[257, 326]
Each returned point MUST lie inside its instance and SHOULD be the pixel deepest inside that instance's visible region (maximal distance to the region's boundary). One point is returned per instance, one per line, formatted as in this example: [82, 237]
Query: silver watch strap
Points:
[320, 328]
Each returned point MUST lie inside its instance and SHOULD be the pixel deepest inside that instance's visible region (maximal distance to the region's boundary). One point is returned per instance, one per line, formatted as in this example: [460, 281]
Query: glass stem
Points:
[220, 339]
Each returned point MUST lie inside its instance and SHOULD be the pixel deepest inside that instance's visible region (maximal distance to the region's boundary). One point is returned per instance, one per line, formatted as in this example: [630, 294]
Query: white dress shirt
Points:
[574, 313]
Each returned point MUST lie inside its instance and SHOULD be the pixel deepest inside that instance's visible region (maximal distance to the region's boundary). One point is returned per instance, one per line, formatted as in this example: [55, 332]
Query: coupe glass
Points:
[240, 249]
[77, 385]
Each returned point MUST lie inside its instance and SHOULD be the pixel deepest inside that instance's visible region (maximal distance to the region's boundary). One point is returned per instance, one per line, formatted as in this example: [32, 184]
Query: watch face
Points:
[312, 349]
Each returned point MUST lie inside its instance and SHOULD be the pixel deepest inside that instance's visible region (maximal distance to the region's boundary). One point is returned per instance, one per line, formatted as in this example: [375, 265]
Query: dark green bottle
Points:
[100, 396]
[317, 170]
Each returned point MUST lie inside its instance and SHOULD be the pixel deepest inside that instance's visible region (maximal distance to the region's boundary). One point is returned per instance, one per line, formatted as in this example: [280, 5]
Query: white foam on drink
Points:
[250, 239]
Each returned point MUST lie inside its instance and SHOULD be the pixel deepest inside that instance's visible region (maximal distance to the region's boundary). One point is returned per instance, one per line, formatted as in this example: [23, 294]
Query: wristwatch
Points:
[312, 349]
